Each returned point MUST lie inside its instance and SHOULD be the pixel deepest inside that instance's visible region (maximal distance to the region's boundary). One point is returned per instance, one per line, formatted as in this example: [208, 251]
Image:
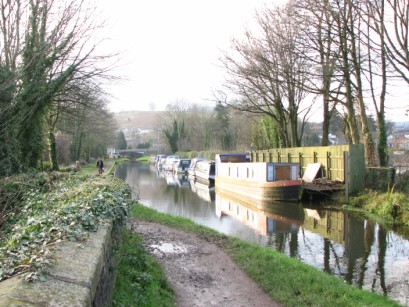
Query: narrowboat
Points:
[266, 181]
[192, 166]
[170, 162]
[205, 171]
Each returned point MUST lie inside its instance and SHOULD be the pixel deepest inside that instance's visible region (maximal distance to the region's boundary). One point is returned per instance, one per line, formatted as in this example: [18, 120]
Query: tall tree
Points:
[222, 125]
[121, 143]
[266, 73]
[318, 46]
[172, 137]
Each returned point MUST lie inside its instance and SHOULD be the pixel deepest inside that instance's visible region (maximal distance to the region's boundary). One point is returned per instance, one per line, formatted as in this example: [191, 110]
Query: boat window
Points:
[283, 172]
[270, 172]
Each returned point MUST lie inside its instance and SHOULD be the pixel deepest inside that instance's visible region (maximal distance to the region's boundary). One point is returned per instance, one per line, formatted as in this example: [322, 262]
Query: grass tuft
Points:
[140, 279]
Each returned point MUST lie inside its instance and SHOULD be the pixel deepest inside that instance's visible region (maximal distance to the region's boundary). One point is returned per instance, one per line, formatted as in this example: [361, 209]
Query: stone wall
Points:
[81, 274]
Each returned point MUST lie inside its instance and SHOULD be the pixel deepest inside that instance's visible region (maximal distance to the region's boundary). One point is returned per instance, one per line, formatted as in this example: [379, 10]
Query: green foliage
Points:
[38, 86]
[121, 141]
[53, 151]
[222, 126]
[392, 207]
[140, 280]
[56, 209]
[8, 146]
[265, 134]
[173, 136]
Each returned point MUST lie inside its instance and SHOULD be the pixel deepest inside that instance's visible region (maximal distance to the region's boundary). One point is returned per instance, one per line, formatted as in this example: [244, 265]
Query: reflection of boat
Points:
[181, 166]
[258, 180]
[182, 180]
[172, 179]
[265, 217]
[204, 191]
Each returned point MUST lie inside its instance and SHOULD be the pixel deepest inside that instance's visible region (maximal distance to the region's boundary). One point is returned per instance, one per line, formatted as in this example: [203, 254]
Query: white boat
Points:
[258, 180]
[205, 171]
[192, 166]
[169, 163]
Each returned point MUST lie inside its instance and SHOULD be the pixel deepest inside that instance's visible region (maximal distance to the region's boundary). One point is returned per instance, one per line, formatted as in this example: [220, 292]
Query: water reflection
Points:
[359, 251]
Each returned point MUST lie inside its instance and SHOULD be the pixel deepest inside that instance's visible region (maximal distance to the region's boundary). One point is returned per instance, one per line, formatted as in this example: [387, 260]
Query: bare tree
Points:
[396, 32]
[266, 73]
[319, 46]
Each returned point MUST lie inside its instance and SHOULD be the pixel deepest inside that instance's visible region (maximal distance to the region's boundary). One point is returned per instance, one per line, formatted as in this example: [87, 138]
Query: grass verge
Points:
[140, 280]
[287, 280]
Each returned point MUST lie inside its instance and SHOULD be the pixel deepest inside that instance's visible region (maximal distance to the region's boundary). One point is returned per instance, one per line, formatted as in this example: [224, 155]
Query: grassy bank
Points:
[285, 279]
[392, 207]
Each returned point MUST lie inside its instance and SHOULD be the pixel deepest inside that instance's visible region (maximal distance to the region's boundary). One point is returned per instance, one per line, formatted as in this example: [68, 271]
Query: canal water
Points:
[357, 250]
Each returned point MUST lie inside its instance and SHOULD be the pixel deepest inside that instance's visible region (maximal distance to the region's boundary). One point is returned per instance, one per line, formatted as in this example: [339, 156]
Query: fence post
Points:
[329, 165]
[346, 175]
[301, 163]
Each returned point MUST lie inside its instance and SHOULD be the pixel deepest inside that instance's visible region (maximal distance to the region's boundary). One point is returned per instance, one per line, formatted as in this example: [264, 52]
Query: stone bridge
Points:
[131, 153]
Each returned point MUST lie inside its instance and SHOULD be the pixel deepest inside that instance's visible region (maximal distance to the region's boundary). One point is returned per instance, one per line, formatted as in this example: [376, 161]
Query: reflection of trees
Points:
[382, 242]
[369, 240]
[327, 245]
[294, 244]
[280, 242]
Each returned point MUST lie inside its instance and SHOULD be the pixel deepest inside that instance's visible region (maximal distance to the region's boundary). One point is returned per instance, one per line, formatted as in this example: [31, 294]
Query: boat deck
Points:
[323, 188]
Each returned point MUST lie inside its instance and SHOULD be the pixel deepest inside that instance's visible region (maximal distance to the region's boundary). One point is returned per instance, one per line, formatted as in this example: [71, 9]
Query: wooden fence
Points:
[345, 163]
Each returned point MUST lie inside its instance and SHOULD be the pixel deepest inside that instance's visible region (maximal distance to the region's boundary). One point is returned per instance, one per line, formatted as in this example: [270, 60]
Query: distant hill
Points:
[138, 119]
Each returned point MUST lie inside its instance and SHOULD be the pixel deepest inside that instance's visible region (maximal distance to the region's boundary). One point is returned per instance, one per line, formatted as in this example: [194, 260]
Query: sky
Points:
[170, 51]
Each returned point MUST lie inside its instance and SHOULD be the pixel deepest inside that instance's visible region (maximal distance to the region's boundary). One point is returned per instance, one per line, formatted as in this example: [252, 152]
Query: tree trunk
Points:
[53, 151]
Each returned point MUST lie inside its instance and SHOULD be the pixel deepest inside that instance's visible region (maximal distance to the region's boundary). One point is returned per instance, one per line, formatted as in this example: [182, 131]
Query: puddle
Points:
[170, 248]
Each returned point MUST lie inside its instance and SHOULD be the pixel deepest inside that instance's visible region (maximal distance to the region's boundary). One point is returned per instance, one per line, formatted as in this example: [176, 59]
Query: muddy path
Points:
[201, 274]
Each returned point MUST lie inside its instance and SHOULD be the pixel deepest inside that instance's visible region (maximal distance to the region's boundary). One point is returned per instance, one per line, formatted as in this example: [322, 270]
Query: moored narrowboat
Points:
[265, 181]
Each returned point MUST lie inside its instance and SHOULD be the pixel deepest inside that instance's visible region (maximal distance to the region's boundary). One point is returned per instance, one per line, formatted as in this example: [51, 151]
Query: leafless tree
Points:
[266, 73]
[319, 47]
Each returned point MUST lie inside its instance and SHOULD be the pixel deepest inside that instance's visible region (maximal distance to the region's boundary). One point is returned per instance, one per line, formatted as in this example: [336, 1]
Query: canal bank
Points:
[56, 247]
[254, 259]
[358, 251]
[194, 258]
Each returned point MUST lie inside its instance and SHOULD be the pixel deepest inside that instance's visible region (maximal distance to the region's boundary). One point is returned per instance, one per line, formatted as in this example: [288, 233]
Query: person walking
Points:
[100, 165]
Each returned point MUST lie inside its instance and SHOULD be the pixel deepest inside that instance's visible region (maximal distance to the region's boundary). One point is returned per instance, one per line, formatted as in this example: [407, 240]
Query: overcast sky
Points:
[170, 50]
